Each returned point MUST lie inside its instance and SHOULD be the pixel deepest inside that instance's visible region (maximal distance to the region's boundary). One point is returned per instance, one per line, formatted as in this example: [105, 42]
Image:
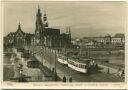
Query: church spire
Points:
[38, 16]
[69, 31]
[38, 13]
[39, 30]
[38, 7]
[19, 27]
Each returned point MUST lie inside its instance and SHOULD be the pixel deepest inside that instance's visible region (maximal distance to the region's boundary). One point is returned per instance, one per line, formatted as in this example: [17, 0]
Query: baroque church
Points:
[43, 35]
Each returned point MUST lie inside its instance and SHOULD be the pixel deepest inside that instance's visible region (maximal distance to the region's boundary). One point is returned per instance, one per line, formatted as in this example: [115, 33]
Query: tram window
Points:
[85, 66]
[78, 65]
[81, 66]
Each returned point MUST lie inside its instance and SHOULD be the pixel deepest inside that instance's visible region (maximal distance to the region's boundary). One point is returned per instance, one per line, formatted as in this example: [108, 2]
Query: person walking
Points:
[64, 79]
[70, 79]
[53, 70]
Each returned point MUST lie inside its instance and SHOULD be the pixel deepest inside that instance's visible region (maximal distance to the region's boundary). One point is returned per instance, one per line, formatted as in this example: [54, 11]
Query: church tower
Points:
[69, 37]
[39, 28]
[69, 33]
[45, 20]
[19, 37]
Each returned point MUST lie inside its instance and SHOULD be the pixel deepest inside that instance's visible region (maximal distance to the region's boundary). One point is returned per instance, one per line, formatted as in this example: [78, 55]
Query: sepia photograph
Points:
[67, 41]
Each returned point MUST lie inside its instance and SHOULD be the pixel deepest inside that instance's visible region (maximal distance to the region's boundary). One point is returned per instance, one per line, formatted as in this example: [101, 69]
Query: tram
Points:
[76, 63]
[62, 59]
[80, 65]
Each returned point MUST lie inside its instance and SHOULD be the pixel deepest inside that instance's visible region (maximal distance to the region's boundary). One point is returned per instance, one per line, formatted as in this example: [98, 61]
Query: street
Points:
[77, 77]
[47, 58]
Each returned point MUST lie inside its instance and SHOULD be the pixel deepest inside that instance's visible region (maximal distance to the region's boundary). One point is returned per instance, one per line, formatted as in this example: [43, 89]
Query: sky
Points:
[84, 18]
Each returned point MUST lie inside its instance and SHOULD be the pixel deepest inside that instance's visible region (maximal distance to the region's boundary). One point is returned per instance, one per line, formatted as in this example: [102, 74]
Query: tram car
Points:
[62, 59]
[80, 65]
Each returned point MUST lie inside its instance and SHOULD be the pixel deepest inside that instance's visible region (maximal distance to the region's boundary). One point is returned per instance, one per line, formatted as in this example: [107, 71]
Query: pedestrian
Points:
[70, 79]
[96, 66]
[53, 70]
[118, 73]
[122, 74]
[64, 79]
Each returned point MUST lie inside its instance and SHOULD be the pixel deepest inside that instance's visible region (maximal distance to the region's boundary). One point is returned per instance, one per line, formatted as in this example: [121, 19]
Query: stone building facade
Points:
[49, 37]
[106, 41]
[18, 38]
[43, 35]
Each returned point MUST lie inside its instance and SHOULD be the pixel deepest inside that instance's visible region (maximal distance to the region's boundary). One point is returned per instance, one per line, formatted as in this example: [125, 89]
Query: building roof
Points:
[52, 31]
[19, 31]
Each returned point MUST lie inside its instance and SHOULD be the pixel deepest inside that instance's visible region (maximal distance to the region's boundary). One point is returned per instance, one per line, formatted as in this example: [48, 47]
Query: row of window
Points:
[77, 65]
[116, 40]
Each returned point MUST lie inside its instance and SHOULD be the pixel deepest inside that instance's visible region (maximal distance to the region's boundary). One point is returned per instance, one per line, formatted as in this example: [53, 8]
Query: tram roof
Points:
[81, 60]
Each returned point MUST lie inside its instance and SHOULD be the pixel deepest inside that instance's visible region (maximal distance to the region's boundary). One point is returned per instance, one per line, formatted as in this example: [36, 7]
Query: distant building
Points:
[49, 37]
[18, 38]
[117, 40]
[43, 35]
[119, 35]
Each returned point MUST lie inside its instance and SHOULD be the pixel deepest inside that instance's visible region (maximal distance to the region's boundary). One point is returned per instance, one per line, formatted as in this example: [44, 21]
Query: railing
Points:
[111, 65]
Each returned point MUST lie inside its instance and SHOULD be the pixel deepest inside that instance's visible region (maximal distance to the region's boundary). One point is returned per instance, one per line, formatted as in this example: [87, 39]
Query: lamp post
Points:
[55, 73]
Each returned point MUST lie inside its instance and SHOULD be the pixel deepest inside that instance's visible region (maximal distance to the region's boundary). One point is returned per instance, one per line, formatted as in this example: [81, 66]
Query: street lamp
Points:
[55, 73]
